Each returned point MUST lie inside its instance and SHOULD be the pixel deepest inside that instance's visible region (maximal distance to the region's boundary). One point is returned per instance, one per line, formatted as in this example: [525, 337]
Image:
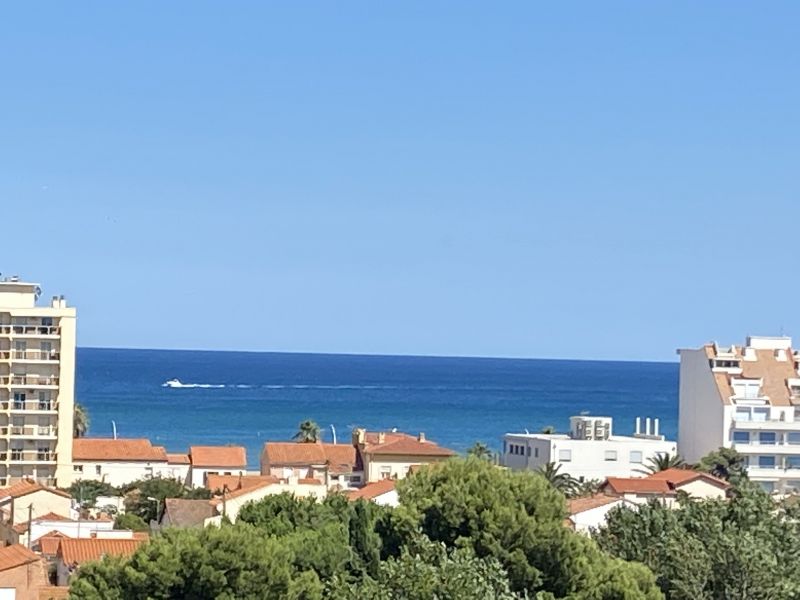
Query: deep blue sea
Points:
[263, 396]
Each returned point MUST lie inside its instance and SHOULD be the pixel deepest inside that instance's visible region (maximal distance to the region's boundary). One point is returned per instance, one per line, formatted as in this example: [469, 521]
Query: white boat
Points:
[173, 383]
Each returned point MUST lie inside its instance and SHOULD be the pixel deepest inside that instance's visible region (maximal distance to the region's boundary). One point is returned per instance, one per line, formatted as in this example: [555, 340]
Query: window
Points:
[766, 438]
[44, 401]
[793, 438]
[98, 470]
[536, 453]
[77, 468]
[386, 472]
[19, 400]
[565, 455]
[766, 462]
[529, 451]
[741, 437]
[742, 414]
[611, 455]
[760, 414]
[793, 462]
[636, 457]
[355, 478]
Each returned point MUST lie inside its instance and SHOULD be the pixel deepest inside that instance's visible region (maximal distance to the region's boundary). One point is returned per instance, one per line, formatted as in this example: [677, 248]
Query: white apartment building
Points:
[589, 451]
[37, 382]
[746, 398]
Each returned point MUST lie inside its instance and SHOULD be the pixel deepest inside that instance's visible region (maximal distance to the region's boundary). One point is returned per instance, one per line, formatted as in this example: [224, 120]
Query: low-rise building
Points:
[73, 553]
[746, 398]
[28, 500]
[590, 513]
[186, 513]
[338, 465]
[215, 460]
[22, 573]
[590, 451]
[666, 485]
[391, 455]
[381, 492]
[230, 502]
[118, 461]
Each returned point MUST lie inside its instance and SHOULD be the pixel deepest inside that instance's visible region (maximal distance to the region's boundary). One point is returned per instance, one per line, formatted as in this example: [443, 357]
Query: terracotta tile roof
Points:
[340, 458]
[75, 552]
[16, 556]
[309, 481]
[51, 516]
[579, 505]
[637, 485]
[28, 486]
[105, 449]
[183, 512]
[48, 544]
[372, 490]
[235, 482]
[677, 477]
[403, 444]
[178, 459]
[218, 456]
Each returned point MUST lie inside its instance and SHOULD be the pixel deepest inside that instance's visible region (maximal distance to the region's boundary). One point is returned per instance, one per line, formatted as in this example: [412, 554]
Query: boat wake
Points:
[176, 383]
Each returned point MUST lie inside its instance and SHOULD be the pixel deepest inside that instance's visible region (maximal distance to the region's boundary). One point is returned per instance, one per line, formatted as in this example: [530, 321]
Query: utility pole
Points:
[30, 521]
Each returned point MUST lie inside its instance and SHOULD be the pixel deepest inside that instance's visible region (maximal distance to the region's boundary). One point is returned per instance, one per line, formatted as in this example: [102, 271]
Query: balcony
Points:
[754, 447]
[30, 381]
[768, 424]
[29, 431]
[30, 356]
[28, 456]
[48, 331]
[33, 407]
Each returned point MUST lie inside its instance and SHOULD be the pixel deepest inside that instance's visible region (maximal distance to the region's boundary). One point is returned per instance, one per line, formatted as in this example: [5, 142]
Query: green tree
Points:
[725, 463]
[130, 521]
[308, 432]
[548, 430]
[563, 482]
[145, 498]
[663, 461]
[87, 491]
[517, 519]
[80, 421]
[481, 451]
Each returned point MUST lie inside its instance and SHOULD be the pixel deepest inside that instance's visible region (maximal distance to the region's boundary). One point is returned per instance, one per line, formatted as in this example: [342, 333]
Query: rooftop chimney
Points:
[381, 437]
[421, 436]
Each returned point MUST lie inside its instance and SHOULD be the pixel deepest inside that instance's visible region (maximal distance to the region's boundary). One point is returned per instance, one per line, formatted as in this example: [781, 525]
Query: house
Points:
[215, 460]
[219, 483]
[230, 502]
[390, 455]
[26, 500]
[746, 398]
[71, 553]
[22, 573]
[179, 466]
[589, 451]
[666, 485]
[184, 512]
[338, 465]
[73, 528]
[587, 514]
[381, 492]
[118, 461]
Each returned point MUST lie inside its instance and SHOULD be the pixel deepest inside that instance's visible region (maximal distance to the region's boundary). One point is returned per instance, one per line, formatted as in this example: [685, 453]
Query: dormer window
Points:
[747, 389]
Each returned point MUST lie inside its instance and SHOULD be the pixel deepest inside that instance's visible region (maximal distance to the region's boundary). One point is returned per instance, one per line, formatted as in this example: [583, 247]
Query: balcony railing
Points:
[28, 406]
[28, 431]
[30, 380]
[28, 456]
[37, 355]
[33, 330]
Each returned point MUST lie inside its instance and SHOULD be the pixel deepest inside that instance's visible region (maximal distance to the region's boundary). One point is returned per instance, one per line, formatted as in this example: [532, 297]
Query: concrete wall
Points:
[197, 475]
[377, 467]
[43, 502]
[25, 580]
[703, 490]
[119, 473]
[595, 517]
[701, 421]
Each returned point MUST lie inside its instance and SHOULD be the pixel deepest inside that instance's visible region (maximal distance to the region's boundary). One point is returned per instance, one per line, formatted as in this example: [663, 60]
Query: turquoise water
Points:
[248, 398]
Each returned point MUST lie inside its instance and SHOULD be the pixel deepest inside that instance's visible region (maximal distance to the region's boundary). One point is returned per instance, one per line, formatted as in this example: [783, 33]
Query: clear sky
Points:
[582, 179]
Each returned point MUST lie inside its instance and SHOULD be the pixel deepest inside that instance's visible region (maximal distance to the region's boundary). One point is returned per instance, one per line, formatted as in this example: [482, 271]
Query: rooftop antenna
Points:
[114, 428]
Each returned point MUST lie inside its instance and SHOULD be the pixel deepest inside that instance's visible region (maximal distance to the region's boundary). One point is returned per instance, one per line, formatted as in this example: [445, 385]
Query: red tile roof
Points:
[28, 486]
[372, 490]
[178, 459]
[51, 516]
[638, 485]
[75, 552]
[579, 505]
[403, 444]
[678, 477]
[16, 556]
[48, 544]
[104, 449]
[218, 456]
[235, 482]
[340, 458]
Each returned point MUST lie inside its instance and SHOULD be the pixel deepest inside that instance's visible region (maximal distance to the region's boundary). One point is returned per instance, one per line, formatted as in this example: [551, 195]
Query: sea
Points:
[248, 398]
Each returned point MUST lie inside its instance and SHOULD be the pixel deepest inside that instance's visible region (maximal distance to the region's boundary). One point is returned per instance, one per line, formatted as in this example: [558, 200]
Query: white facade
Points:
[589, 452]
[746, 398]
[37, 381]
[119, 473]
[587, 520]
[198, 475]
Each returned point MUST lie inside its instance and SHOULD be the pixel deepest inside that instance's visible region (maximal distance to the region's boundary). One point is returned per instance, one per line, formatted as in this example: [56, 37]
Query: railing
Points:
[28, 456]
[31, 406]
[29, 431]
[29, 380]
[40, 355]
[28, 330]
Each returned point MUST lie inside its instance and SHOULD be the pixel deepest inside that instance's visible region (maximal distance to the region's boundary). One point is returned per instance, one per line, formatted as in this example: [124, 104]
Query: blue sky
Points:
[582, 180]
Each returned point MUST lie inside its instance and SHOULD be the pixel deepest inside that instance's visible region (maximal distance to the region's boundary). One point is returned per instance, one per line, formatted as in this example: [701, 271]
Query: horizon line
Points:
[379, 354]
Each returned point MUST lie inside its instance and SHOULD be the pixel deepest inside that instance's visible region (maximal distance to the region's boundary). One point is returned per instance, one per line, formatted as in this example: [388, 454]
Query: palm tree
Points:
[481, 451]
[308, 432]
[80, 421]
[661, 462]
[548, 430]
[563, 482]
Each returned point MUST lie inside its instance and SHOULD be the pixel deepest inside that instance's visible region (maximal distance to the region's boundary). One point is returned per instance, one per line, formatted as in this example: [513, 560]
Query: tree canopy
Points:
[308, 432]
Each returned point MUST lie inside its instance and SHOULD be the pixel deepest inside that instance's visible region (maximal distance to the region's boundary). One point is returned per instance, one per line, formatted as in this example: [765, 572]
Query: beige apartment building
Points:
[37, 383]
